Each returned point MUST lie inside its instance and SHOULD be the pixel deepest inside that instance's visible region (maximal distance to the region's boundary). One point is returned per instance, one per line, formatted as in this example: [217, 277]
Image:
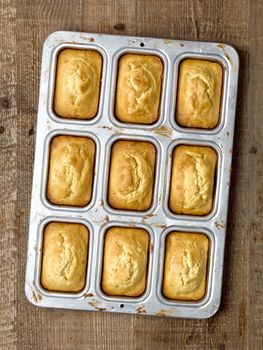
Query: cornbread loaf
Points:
[64, 257]
[71, 166]
[185, 266]
[192, 180]
[199, 93]
[125, 261]
[131, 178]
[138, 92]
[77, 88]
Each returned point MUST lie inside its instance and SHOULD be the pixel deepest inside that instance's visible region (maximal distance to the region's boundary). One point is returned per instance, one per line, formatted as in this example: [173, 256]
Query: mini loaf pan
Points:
[164, 134]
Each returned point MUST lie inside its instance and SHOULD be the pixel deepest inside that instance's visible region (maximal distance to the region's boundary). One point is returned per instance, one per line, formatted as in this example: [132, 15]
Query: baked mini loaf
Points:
[71, 166]
[139, 86]
[131, 178]
[185, 266]
[125, 261]
[199, 93]
[192, 180]
[77, 87]
[64, 261]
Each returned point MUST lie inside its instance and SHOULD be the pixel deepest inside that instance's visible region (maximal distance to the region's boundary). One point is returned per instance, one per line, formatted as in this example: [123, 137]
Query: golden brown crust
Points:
[131, 177]
[192, 180]
[71, 166]
[125, 261]
[199, 93]
[77, 87]
[185, 266]
[138, 92]
[64, 257]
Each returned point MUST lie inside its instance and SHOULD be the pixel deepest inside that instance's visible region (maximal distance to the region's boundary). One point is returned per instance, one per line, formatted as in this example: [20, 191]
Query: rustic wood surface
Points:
[24, 25]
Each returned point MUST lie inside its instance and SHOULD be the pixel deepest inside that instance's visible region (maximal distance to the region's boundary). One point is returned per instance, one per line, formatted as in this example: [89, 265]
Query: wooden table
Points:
[23, 27]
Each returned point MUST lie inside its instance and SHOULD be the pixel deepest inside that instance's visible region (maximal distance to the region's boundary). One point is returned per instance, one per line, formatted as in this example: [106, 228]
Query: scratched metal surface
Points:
[164, 134]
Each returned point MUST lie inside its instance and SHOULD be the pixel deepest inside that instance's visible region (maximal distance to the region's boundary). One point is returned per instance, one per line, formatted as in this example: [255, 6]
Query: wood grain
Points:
[24, 24]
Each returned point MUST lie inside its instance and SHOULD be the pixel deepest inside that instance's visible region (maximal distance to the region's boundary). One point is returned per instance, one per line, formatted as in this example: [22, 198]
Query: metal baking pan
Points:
[105, 129]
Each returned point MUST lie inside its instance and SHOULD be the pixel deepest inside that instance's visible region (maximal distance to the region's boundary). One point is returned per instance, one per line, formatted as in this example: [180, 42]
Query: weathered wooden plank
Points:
[255, 163]
[8, 176]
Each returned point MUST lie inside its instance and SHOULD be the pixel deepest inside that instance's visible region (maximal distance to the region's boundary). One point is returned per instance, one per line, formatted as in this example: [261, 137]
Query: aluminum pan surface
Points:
[164, 134]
